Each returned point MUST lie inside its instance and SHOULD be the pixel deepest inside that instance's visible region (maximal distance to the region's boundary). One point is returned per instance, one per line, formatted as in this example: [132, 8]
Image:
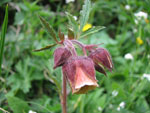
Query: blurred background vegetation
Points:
[28, 83]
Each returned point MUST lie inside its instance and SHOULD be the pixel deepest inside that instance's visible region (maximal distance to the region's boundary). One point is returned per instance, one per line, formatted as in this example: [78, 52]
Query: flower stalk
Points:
[64, 95]
[79, 71]
[80, 45]
[69, 44]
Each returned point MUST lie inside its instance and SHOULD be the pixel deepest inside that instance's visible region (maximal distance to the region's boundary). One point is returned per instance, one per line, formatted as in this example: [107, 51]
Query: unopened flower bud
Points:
[61, 54]
[102, 59]
[91, 47]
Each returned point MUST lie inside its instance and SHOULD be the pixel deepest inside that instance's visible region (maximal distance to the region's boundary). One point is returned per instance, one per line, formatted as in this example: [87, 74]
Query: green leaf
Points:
[70, 34]
[45, 48]
[17, 105]
[61, 35]
[84, 13]
[91, 31]
[41, 108]
[72, 22]
[22, 79]
[4, 1]
[49, 28]
[54, 80]
[2, 39]
[19, 18]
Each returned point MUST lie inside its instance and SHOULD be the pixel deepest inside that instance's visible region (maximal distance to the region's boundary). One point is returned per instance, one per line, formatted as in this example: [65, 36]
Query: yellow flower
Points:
[147, 21]
[86, 27]
[139, 40]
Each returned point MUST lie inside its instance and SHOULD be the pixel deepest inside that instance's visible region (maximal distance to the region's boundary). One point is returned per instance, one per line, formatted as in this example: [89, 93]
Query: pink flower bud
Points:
[102, 59]
[80, 73]
[91, 47]
[61, 54]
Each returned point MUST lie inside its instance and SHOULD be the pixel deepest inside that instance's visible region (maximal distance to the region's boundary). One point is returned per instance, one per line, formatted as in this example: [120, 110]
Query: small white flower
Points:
[148, 56]
[30, 111]
[136, 21]
[2, 66]
[67, 1]
[127, 7]
[121, 106]
[135, 30]
[99, 108]
[128, 56]
[118, 108]
[66, 36]
[110, 106]
[147, 76]
[115, 93]
[75, 17]
[141, 14]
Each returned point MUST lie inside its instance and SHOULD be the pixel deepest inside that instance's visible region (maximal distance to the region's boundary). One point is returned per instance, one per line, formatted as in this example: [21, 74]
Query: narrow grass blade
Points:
[2, 39]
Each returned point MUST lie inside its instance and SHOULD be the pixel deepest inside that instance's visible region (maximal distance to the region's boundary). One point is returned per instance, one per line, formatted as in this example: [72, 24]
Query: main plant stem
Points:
[64, 96]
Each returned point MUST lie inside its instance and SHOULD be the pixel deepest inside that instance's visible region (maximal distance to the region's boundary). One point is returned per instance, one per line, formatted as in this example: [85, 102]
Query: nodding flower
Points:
[80, 70]
[80, 73]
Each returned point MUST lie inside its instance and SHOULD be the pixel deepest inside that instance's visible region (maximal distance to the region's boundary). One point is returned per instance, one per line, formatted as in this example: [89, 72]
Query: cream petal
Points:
[83, 83]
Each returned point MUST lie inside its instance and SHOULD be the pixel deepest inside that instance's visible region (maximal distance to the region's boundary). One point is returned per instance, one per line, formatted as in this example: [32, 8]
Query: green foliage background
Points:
[28, 81]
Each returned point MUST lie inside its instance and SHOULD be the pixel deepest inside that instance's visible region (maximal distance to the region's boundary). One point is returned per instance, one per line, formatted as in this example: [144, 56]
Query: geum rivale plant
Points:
[79, 71]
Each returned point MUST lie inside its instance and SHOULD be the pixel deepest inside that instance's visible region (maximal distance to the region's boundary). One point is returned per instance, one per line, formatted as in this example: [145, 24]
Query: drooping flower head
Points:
[80, 70]
[80, 73]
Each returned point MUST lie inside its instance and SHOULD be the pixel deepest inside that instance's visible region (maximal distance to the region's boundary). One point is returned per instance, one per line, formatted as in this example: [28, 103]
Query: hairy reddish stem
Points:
[64, 95]
[81, 45]
[70, 45]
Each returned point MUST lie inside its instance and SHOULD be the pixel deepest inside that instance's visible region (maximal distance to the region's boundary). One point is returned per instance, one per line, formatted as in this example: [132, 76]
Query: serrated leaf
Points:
[91, 31]
[72, 22]
[45, 48]
[17, 105]
[49, 28]
[2, 38]
[84, 13]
